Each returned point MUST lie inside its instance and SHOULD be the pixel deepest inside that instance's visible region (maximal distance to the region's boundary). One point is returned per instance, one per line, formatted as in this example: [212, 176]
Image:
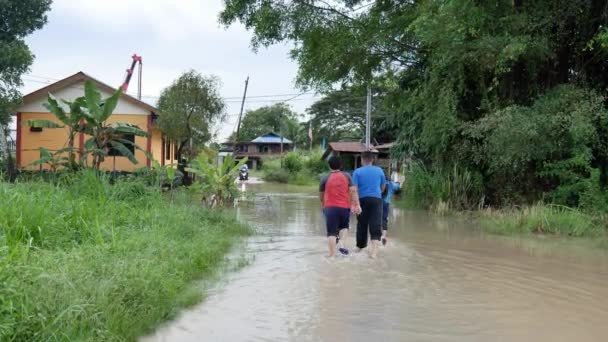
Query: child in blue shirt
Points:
[391, 188]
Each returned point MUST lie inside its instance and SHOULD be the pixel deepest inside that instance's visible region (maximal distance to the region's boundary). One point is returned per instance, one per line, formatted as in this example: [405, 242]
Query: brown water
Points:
[439, 279]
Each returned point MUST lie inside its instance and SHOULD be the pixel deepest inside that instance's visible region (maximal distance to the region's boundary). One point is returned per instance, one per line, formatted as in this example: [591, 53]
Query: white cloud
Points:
[168, 20]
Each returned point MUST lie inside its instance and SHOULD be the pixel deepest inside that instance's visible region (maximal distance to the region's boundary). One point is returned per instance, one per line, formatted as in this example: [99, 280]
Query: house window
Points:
[167, 149]
[131, 147]
[263, 149]
[175, 148]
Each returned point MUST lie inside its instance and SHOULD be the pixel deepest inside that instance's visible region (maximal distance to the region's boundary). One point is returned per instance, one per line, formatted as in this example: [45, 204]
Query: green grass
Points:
[544, 219]
[83, 260]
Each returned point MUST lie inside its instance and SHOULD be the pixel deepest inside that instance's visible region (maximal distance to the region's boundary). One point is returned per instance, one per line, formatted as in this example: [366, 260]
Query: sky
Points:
[99, 37]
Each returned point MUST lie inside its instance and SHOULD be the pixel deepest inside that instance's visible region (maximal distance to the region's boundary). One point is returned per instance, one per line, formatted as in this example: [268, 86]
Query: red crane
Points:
[136, 60]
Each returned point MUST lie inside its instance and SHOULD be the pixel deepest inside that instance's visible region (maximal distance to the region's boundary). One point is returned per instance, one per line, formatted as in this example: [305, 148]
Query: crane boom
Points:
[136, 59]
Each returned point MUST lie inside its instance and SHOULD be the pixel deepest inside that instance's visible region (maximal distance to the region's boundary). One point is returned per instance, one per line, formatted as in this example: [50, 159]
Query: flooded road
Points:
[439, 279]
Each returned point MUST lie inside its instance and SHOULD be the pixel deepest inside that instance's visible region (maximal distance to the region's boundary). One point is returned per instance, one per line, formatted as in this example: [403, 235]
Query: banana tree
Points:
[216, 182]
[105, 136]
[72, 120]
[53, 160]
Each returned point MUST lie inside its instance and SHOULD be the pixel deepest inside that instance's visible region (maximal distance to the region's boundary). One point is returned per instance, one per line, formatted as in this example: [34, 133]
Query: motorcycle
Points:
[244, 174]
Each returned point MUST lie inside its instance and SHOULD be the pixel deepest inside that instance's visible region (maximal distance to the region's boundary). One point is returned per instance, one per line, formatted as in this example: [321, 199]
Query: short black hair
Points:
[335, 163]
[367, 155]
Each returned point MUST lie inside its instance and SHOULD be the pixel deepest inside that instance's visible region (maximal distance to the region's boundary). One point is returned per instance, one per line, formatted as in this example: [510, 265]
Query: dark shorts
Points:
[336, 219]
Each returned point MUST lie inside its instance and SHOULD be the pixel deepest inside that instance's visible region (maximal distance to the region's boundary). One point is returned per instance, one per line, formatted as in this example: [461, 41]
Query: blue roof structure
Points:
[271, 138]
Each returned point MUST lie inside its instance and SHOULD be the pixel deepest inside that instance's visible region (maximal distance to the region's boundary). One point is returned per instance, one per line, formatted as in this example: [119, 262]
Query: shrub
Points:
[276, 175]
[455, 189]
[316, 165]
[293, 162]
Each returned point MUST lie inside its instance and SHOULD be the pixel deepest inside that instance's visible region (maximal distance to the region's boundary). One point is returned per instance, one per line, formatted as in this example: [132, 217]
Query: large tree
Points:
[17, 20]
[471, 76]
[340, 115]
[189, 109]
[278, 118]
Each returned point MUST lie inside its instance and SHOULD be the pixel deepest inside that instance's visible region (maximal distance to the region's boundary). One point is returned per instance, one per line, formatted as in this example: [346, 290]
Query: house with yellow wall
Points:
[129, 110]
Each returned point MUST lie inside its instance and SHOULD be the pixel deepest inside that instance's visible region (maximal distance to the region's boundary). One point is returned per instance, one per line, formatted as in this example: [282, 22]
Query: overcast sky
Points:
[98, 37]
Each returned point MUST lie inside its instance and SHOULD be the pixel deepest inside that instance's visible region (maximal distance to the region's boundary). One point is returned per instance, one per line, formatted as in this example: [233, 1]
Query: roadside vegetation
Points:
[87, 255]
[295, 168]
[503, 102]
[88, 258]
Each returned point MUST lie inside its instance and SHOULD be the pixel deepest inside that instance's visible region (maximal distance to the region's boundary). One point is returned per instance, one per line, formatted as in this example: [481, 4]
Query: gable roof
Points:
[271, 138]
[81, 77]
[349, 146]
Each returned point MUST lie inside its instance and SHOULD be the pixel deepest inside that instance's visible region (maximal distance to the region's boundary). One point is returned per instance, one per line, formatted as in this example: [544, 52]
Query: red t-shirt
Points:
[336, 187]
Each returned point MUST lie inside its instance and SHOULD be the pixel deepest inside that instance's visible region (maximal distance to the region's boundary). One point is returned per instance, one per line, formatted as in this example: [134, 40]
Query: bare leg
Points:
[331, 244]
[373, 251]
[343, 236]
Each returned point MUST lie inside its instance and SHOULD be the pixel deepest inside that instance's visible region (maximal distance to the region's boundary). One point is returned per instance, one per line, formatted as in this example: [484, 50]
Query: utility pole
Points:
[238, 127]
[368, 119]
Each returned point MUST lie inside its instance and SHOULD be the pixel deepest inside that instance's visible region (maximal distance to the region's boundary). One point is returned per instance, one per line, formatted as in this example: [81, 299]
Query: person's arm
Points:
[322, 191]
[354, 200]
[354, 195]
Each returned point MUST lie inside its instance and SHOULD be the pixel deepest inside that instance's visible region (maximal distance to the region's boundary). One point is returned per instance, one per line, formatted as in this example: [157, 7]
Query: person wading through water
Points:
[338, 195]
[370, 182]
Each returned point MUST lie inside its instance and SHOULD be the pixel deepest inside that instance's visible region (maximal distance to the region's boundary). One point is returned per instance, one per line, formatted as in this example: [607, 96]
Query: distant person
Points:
[337, 194]
[370, 182]
[391, 188]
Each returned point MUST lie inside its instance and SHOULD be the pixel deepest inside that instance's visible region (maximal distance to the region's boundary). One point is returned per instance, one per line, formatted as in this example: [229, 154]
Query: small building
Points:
[264, 146]
[350, 153]
[129, 110]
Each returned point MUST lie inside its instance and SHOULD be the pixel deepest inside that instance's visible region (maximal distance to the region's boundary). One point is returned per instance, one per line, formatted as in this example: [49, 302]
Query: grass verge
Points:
[543, 219]
[84, 260]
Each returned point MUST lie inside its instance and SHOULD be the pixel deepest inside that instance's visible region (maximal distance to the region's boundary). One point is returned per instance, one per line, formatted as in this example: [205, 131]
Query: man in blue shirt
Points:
[370, 182]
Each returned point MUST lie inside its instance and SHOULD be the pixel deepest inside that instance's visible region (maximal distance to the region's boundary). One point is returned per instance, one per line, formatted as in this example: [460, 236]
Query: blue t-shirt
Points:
[369, 181]
[392, 187]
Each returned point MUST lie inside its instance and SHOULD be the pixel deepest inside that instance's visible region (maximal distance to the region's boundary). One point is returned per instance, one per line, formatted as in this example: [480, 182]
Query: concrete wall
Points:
[55, 139]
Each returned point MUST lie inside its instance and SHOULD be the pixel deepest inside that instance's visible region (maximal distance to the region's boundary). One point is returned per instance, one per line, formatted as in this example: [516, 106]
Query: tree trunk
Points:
[6, 155]
[181, 166]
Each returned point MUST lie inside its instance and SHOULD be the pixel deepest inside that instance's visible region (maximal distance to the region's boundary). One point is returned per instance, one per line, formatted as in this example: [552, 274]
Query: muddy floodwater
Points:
[439, 279]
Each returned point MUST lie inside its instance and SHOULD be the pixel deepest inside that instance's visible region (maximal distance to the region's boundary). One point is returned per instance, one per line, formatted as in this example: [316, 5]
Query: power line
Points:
[50, 80]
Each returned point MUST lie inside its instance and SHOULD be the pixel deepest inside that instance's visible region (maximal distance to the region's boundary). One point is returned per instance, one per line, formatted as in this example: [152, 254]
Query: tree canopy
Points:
[18, 19]
[278, 118]
[190, 108]
[512, 90]
[340, 115]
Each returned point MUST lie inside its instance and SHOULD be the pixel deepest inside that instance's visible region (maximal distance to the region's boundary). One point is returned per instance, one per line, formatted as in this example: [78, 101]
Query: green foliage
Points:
[83, 260]
[190, 108]
[293, 162]
[278, 118]
[543, 219]
[340, 115]
[458, 189]
[216, 182]
[509, 90]
[88, 115]
[315, 164]
[19, 19]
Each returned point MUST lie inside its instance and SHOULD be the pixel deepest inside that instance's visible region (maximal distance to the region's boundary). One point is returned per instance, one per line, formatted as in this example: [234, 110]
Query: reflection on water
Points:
[438, 280]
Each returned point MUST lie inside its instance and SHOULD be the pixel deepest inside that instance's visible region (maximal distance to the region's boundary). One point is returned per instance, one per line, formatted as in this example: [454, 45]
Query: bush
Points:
[437, 189]
[276, 175]
[293, 162]
[315, 165]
